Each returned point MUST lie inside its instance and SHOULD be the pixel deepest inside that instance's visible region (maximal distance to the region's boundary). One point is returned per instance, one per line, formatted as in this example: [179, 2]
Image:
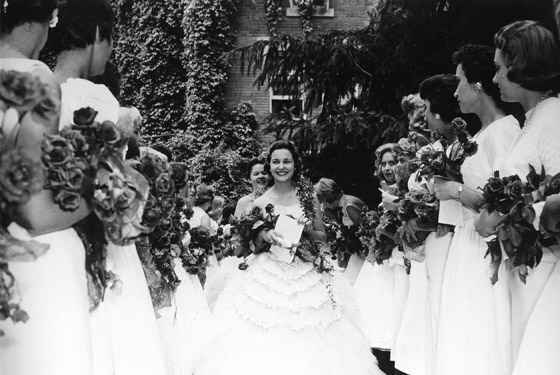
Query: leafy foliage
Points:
[208, 29]
[358, 77]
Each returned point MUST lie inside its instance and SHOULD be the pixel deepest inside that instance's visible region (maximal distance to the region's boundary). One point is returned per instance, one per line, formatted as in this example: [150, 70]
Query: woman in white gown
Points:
[53, 289]
[278, 317]
[475, 326]
[84, 41]
[416, 344]
[528, 72]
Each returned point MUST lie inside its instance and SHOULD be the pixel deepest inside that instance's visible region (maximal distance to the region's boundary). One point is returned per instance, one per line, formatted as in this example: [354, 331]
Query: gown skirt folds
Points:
[53, 290]
[125, 336]
[475, 318]
[279, 318]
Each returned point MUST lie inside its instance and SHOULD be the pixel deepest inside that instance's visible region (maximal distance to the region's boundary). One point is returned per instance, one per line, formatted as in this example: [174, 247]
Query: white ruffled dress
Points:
[285, 318]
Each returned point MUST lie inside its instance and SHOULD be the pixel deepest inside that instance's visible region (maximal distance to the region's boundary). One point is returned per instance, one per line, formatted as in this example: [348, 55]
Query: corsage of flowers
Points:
[516, 232]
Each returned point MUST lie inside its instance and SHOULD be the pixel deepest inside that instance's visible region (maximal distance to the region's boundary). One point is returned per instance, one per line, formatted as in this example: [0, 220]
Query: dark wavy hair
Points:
[532, 54]
[78, 23]
[285, 145]
[17, 12]
[440, 91]
[252, 163]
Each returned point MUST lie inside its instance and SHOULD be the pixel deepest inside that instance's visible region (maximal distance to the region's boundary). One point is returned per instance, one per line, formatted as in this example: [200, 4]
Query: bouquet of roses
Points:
[386, 234]
[448, 164]
[160, 214]
[346, 240]
[516, 233]
[418, 212]
[84, 161]
[366, 233]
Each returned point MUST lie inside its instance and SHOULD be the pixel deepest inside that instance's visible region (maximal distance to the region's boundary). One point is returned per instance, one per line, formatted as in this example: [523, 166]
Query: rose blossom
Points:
[20, 176]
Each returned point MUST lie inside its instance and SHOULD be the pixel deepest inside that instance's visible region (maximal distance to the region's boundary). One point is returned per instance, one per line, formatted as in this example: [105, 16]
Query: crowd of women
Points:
[444, 307]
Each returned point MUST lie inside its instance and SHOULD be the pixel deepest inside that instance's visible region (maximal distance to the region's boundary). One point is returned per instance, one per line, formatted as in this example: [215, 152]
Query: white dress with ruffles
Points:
[280, 318]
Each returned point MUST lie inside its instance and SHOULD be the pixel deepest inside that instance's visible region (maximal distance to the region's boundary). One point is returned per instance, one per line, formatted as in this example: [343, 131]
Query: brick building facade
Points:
[340, 14]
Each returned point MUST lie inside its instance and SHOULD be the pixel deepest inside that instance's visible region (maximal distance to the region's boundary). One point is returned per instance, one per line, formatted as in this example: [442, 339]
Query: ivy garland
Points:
[305, 8]
[209, 32]
[273, 12]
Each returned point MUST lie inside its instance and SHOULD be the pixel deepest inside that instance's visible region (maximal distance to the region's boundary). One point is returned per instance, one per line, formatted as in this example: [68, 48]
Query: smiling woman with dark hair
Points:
[290, 318]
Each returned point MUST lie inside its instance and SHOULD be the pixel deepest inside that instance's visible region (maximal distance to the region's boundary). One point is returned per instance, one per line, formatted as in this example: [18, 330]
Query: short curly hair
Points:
[440, 91]
[328, 190]
[285, 145]
[532, 54]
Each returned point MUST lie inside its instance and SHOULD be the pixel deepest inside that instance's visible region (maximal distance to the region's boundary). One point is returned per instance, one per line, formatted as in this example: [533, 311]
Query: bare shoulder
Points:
[263, 200]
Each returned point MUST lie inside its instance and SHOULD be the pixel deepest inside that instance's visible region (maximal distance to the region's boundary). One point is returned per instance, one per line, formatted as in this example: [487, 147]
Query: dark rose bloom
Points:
[21, 90]
[151, 215]
[76, 178]
[20, 176]
[471, 148]
[533, 179]
[494, 186]
[84, 116]
[269, 208]
[164, 185]
[68, 200]
[554, 185]
[109, 133]
[256, 211]
[515, 189]
[56, 151]
[76, 140]
[56, 178]
[148, 167]
[167, 205]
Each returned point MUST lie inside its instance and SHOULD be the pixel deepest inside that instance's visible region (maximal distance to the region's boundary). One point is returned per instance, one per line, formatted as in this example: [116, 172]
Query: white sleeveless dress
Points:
[53, 289]
[277, 318]
[475, 322]
[535, 305]
[119, 347]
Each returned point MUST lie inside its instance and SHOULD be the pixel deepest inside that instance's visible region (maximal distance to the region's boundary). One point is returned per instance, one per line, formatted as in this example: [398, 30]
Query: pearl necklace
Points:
[526, 126]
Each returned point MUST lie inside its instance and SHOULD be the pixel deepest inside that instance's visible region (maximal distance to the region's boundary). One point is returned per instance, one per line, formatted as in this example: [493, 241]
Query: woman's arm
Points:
[317, 227]
[468, 197]
[42, 215]
[354, 214]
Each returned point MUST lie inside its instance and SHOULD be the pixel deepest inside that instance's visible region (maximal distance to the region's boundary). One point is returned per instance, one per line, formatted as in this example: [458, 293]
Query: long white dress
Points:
[183, 325]
[436, 250]
[280, 318]
[53, 290]
[475, 321]
[119, 347]
[535, 305]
